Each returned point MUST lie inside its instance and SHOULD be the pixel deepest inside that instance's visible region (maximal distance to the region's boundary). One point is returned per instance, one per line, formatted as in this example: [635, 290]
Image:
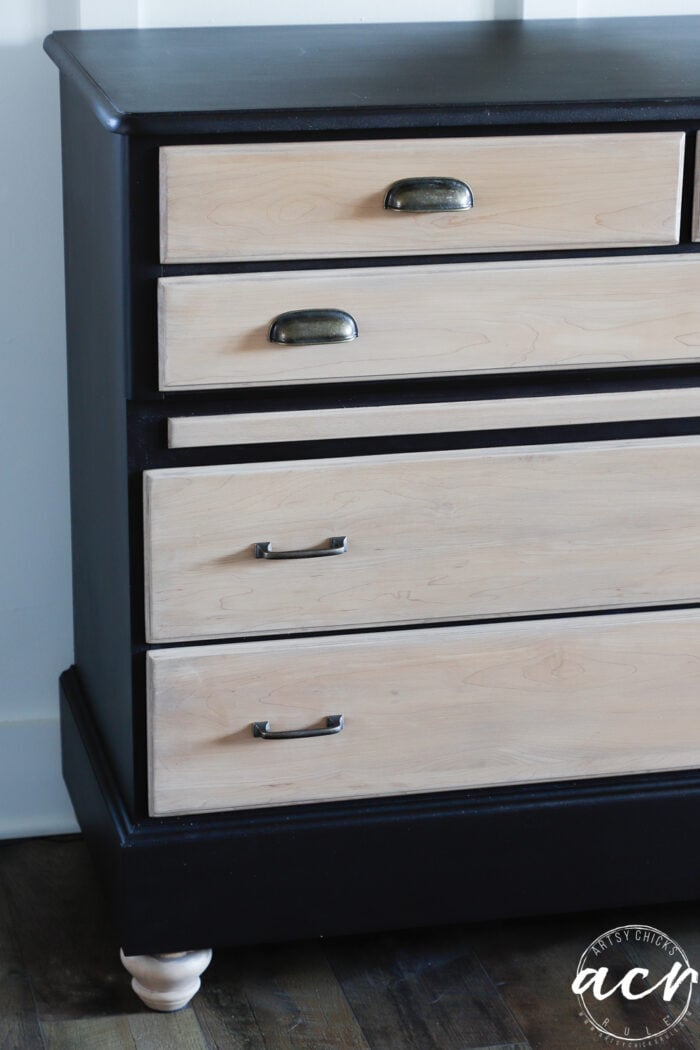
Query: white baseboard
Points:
[33, 797]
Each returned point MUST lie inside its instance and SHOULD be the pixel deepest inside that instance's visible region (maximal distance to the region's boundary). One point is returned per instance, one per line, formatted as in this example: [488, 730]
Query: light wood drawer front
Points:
[432, 320]
[424, 710]
[305, 200]
[431, 536]
[245, 428]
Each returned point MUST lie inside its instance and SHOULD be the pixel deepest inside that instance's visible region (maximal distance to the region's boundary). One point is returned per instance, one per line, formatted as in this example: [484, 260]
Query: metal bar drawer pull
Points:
[429, 194]
[334, 724]
[313, 327]
[336, 545]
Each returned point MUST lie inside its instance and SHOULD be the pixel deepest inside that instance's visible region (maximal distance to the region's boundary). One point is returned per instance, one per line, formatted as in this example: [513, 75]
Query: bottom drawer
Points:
[424, 710]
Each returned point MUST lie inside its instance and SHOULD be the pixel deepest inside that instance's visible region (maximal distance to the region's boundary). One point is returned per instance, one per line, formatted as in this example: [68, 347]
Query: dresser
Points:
[384, 383]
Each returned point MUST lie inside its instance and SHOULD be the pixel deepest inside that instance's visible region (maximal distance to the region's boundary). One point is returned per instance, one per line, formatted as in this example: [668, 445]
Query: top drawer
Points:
[304, 200]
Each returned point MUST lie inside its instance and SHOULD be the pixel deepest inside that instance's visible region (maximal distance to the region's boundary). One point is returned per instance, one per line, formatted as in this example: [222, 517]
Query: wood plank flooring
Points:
[496, 986]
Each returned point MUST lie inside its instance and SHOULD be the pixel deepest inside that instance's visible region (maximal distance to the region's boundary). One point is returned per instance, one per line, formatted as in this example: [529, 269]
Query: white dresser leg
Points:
[166, 982]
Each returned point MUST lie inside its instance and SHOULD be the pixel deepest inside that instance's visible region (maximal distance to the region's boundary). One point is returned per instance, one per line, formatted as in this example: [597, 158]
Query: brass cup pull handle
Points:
[313, 328]
[334, 724]
[429, 194]
[336, 545]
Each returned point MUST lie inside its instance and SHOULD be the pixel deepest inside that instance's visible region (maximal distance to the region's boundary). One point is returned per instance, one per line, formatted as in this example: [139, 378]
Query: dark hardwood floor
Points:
[497, 986]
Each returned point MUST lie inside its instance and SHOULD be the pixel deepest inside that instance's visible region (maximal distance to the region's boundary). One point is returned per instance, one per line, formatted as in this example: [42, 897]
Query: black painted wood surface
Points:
[97, 316]
[301, 871]
[309, 78]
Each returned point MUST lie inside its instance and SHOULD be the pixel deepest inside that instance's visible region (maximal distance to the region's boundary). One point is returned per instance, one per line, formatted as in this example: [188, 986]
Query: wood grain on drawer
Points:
[310, 199]
[424, 710]
[431, 536]
[245, 428]
[432, 320]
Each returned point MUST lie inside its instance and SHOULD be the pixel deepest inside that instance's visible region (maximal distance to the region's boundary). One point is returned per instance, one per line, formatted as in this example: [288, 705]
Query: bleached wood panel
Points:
[242, 428]
[431, 537]
[311, 199]
[433, 320]
[425, 710]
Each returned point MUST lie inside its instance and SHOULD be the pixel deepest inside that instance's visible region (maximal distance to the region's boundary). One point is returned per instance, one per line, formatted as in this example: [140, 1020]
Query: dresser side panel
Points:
[94, 166]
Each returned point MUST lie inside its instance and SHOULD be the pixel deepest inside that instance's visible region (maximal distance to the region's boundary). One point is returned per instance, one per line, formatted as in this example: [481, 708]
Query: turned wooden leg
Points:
[166, 982]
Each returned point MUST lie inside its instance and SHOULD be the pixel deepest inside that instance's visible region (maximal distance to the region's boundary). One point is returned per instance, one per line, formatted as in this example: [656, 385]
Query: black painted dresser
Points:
[384, 380]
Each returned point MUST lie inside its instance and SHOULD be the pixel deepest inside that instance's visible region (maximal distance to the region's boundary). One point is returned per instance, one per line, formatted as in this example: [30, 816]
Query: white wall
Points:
[35, 613]
[606, 8]
[149, 13]
[35, 593]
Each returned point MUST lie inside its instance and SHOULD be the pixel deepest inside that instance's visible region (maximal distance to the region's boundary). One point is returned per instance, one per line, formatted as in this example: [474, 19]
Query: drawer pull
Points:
[429, 194]
[336, 545]
[313, 327]
[334, 724]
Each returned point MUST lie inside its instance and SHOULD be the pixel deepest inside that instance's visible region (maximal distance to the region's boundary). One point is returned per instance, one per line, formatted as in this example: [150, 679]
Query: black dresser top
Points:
[325, 78]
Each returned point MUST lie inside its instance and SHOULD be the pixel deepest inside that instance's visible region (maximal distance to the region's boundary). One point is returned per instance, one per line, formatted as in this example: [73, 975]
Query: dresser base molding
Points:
[166, 982]
[370, 865]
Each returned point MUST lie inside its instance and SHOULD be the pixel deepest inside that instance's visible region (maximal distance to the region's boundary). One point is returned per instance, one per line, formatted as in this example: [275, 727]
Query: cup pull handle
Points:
[313, 328]
[334, 724]
[429, 194]
[336, 545]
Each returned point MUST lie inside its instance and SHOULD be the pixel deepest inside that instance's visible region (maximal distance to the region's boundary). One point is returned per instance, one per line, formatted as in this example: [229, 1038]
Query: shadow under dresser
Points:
[384, 383]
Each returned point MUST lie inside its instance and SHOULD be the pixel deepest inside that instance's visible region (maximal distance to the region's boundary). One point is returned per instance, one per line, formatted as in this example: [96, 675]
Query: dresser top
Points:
[358, 77]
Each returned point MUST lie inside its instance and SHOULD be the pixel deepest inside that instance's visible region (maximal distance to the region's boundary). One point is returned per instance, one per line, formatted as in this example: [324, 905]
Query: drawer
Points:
[328, 424]
[309, 199]
[430, 537]
[457, 319]
[424, 710]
